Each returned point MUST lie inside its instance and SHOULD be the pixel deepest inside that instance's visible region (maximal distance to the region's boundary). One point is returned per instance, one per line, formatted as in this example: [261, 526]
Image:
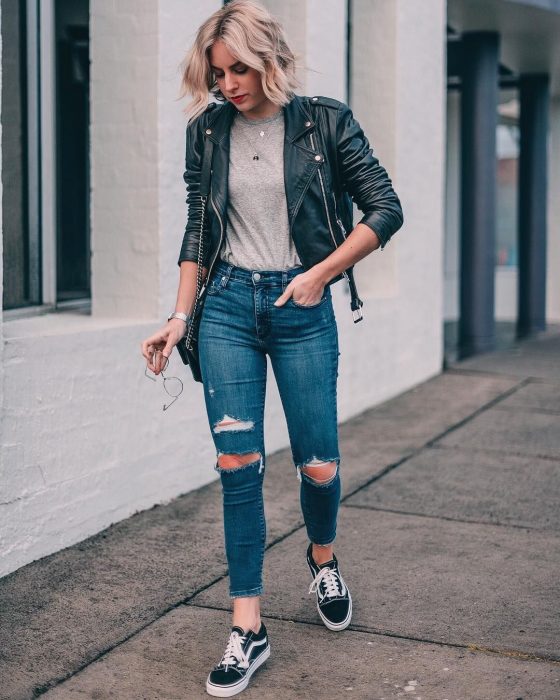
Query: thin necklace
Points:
[262, 134]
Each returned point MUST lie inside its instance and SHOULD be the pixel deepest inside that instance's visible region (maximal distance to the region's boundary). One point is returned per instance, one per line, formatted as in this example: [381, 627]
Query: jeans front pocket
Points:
[322, 300]
[216, 285]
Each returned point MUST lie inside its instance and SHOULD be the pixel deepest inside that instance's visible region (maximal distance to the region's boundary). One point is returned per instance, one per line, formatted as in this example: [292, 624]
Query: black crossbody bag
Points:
[187, 347]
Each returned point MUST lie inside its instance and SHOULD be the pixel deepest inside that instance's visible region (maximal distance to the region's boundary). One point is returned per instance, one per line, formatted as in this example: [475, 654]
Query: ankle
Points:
[246, 624]
[322, 553]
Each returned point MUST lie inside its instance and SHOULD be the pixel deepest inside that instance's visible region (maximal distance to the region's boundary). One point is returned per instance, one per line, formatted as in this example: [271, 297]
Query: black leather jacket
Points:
[327, 163]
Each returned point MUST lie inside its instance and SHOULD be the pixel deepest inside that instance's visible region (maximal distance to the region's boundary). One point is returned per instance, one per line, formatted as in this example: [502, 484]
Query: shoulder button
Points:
[326, 101]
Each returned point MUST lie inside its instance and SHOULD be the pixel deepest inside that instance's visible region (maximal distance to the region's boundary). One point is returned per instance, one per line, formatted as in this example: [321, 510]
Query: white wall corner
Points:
[2, 395]
[553, 214]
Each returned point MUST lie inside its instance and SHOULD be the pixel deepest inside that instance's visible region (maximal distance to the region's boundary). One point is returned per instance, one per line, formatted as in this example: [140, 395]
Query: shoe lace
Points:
[331, 582]
[234, 654]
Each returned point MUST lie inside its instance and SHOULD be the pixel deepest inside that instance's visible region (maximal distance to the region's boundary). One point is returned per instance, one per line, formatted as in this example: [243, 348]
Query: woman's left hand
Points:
[306, 289]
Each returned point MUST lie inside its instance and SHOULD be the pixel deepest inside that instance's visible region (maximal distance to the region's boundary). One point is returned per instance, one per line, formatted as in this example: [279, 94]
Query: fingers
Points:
[152, 348]
[308, 297]
[286, 294]
[167, 350]
[154, 342]
[160, 361]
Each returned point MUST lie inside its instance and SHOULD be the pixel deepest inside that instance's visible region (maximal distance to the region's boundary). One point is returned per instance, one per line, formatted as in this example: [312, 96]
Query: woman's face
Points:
[235, 79]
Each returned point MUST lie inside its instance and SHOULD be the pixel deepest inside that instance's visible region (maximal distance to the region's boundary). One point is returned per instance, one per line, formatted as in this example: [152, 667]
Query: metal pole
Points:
[533, 123]
[478, 191]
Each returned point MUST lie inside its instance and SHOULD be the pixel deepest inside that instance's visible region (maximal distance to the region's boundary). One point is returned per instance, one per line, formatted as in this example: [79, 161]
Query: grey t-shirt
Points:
[257, 232]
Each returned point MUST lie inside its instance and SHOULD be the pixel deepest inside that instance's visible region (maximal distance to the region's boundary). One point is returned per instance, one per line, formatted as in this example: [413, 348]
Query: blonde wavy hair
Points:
[253, 36]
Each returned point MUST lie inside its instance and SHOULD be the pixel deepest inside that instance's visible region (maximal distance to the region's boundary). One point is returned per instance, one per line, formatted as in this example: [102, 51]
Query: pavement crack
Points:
[481, 409]
[515, 654]
[465, 371]
[528, 409]
[446, 518]
[496, 451]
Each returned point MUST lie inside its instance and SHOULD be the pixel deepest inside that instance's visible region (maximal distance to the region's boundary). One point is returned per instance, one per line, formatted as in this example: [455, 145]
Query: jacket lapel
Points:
[299, 158]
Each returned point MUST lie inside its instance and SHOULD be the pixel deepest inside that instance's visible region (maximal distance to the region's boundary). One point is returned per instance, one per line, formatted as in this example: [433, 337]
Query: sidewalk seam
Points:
[450, 519]
[516, 653]
[495, 450]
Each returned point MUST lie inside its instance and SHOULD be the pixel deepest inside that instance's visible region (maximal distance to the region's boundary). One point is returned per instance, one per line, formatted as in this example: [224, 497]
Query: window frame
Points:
[41, 164]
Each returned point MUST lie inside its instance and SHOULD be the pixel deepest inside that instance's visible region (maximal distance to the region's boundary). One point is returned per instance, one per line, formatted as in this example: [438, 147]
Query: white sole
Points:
[219, 691]
[337, 626]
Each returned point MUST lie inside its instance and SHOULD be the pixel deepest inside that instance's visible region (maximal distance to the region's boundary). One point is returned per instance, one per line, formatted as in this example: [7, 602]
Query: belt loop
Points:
[284, 280]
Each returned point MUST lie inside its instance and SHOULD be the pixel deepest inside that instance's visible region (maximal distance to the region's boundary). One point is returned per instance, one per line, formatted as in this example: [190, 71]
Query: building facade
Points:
[459, 104]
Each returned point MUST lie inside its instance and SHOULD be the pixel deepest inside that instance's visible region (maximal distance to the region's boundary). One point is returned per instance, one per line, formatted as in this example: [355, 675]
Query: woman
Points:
[278, 231]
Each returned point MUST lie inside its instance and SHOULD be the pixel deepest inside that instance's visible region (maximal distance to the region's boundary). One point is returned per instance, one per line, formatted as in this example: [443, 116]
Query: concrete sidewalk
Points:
[448, 537]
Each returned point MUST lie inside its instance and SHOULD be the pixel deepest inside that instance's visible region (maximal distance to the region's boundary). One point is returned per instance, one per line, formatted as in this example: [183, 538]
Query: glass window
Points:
[72, 108]
[45, 130]
[21, 282]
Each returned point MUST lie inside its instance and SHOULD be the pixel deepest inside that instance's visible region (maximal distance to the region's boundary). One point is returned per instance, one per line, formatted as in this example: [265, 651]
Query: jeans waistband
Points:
[254, 277]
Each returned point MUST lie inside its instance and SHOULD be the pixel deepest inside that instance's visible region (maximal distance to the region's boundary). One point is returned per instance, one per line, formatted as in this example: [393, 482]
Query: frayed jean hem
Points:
[246, 594]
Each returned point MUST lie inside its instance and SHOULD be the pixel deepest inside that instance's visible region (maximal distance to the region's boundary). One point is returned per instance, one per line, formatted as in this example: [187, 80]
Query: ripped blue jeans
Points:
[239, 327]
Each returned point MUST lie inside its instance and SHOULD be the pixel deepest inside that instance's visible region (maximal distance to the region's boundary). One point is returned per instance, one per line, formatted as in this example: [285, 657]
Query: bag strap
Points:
[204, 190]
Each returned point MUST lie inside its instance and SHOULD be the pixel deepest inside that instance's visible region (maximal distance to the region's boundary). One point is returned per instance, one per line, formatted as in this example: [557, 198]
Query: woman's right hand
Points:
[164, 339]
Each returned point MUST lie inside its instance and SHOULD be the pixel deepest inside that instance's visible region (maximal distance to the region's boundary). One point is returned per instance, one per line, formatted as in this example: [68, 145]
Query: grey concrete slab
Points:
[71, 606]
[470, 485]
[411, 419]
[171, 659]
[539, 357]
[442, 581]
[522, 432]
[537, 396]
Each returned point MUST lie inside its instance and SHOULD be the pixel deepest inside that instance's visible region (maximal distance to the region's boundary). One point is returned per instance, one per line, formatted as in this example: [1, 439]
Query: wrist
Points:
[321, 270]
[185, 318]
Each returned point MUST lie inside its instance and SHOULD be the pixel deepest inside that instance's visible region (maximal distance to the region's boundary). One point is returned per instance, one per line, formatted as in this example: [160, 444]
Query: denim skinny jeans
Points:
[240, 326]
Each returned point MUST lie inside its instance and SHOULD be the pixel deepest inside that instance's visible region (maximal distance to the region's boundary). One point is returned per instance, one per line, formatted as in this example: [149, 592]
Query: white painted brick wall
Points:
[84, 439]
[124, 157]
[398, 57]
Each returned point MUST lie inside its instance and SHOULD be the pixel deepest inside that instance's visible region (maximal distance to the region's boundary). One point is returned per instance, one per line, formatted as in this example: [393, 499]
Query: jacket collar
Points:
[297, 120]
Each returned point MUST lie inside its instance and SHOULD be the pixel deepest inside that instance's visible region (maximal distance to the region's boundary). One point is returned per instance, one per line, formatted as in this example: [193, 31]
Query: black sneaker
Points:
[245, 652]
[334, 601]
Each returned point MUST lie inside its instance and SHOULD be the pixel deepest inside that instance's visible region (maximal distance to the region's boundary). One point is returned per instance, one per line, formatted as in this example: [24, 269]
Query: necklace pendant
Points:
[255, 157]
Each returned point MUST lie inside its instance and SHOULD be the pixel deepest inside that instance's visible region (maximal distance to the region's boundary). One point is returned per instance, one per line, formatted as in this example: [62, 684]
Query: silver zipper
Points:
[344, 234]
[344, 273]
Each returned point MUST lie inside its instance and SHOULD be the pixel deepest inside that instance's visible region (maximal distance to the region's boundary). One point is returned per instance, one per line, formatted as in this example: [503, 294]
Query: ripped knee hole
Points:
[231, 424]
[319, 471]
[230, 461]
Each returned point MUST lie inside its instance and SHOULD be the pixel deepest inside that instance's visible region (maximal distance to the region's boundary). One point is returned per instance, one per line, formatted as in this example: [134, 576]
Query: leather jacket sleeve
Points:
[365, 180]
[191, 176]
